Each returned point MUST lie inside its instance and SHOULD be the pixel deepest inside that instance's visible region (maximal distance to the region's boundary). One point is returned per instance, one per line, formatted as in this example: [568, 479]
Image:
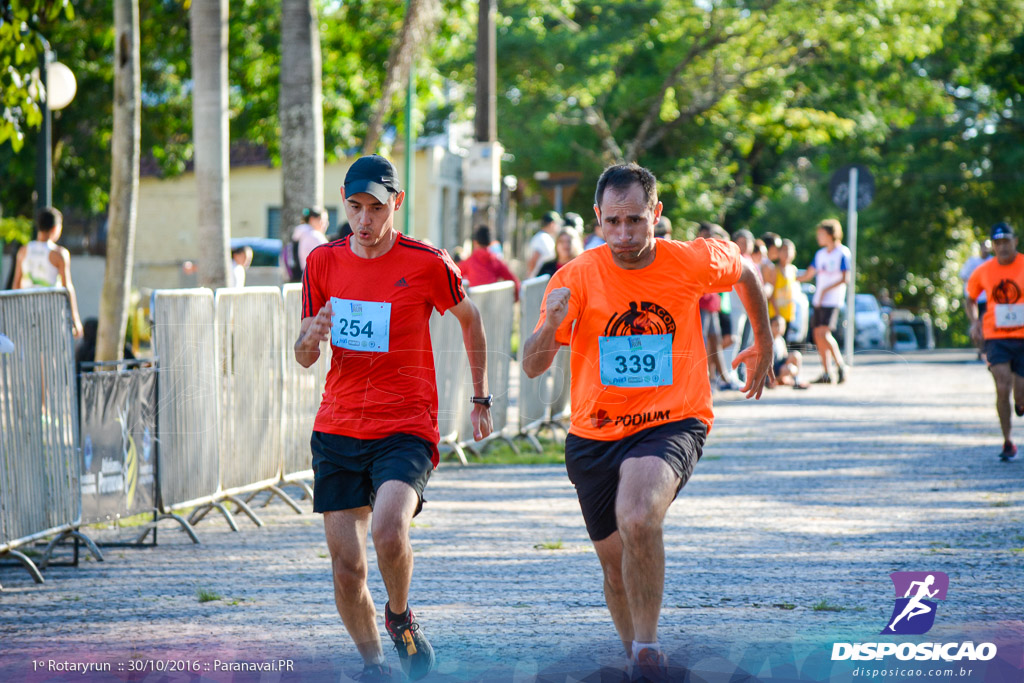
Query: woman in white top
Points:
[42, 263]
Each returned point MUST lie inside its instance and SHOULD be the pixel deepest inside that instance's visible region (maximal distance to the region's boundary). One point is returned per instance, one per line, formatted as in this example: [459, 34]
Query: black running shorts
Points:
[347, 471]
[1006, 351]
[593, 466]
[825, 316]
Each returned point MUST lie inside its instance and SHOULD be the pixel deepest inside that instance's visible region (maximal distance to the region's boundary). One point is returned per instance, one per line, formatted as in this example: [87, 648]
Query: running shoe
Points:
[1009, 452]
[374, 673]
[650, 666]
[1019, 409]
[824, 379]
[842, 374]
[414, 651]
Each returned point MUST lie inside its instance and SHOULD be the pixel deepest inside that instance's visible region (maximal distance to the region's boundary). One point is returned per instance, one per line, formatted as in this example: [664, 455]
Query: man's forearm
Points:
[749, 290]
[304, 354]
[539, 351]
[475, 339]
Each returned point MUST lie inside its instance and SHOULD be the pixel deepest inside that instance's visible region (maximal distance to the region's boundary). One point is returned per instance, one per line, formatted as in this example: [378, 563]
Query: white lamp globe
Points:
[60, 86]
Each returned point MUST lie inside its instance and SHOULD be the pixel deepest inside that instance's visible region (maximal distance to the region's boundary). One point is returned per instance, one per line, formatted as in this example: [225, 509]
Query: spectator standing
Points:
[773, 244]
[831, 273]
[306, 237]
[567, 247]
[241, 259]
[663, 229]
[44, 263]
[975, 260]
[483, 266]
[1001, 330]
[744, 239]
[783, 298]
[542, 246]
[595, 238]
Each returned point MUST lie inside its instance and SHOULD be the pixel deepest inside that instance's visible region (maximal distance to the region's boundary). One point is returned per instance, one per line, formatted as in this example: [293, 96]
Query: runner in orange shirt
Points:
[1001, 329]
[641, 402]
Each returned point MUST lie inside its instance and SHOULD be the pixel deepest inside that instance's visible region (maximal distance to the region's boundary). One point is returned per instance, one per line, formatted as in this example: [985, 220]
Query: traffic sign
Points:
[839, 186]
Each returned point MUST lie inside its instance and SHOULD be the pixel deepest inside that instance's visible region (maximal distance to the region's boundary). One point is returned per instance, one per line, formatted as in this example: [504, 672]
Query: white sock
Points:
[637, 646]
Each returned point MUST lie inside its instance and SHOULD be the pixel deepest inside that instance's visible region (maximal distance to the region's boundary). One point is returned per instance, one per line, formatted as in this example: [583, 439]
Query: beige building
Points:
[166, 234]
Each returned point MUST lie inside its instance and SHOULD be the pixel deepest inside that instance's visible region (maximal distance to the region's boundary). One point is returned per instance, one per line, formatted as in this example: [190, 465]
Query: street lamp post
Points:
[58, 89]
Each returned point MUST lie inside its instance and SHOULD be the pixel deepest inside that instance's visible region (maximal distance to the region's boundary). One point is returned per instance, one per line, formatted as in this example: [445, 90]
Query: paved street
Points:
[781, 544]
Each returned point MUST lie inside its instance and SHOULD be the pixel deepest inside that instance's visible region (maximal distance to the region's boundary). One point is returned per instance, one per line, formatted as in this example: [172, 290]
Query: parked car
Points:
[903, 337]
[265, 268]
[869, 324]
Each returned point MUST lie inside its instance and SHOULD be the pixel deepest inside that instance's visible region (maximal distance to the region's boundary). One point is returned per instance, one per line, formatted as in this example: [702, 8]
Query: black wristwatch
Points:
[487, 400]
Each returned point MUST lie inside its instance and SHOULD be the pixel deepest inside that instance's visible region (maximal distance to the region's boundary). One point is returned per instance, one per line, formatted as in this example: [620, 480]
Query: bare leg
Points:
[821, 343]
[1004, 383]
[346, 540]
[647, 486]
[1018, 389]
[392, 513]
[833, 347]
[609, 551]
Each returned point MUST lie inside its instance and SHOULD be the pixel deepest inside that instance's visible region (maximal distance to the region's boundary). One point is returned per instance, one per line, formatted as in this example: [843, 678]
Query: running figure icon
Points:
[915, 607]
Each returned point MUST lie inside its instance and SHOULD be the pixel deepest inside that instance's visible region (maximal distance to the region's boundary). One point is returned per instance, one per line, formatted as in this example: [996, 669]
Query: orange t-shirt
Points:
[1003, 285]
[622, 385]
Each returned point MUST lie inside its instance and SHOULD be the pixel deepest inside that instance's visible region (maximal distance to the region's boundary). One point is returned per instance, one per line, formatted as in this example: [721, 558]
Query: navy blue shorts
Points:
[347, 471]
[593, 466]
[1010, 351]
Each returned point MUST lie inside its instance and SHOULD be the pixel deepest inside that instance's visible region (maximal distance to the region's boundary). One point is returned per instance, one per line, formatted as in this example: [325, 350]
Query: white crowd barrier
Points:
[40, 487]
[184, 338]
[496, 303]
[303, 390]
[250, 350]
[543, 400]
[454, 385]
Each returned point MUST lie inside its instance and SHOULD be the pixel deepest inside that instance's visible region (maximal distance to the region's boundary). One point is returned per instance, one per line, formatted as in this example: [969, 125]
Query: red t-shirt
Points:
[373, 394]
[484, 268]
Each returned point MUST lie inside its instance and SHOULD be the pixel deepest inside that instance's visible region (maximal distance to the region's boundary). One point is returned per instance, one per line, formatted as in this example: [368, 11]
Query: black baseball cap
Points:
[374, 175]
[1002, 231]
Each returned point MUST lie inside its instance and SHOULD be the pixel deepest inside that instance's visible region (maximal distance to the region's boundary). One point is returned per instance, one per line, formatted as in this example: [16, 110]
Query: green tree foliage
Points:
[355, 39]
[21, 24]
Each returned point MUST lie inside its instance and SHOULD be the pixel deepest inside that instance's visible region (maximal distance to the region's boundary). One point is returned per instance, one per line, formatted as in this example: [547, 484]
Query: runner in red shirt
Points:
[375, 436]
[483, 267]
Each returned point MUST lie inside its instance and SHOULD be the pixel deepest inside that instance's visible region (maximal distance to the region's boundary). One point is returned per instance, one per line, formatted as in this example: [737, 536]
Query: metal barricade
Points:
[303, 391]
[543, 400]
[496, 304]
[453, 381]
[250, 373]
[187, 401]
[39, 466]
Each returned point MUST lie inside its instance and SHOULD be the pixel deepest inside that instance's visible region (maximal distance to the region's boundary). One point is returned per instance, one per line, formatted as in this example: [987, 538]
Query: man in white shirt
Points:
[831, 273]
[542, 246]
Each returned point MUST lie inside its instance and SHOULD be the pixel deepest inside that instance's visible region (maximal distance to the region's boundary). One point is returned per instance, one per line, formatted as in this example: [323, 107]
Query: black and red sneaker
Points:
[1009, 452]
[414, 651]
[1019, 409]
